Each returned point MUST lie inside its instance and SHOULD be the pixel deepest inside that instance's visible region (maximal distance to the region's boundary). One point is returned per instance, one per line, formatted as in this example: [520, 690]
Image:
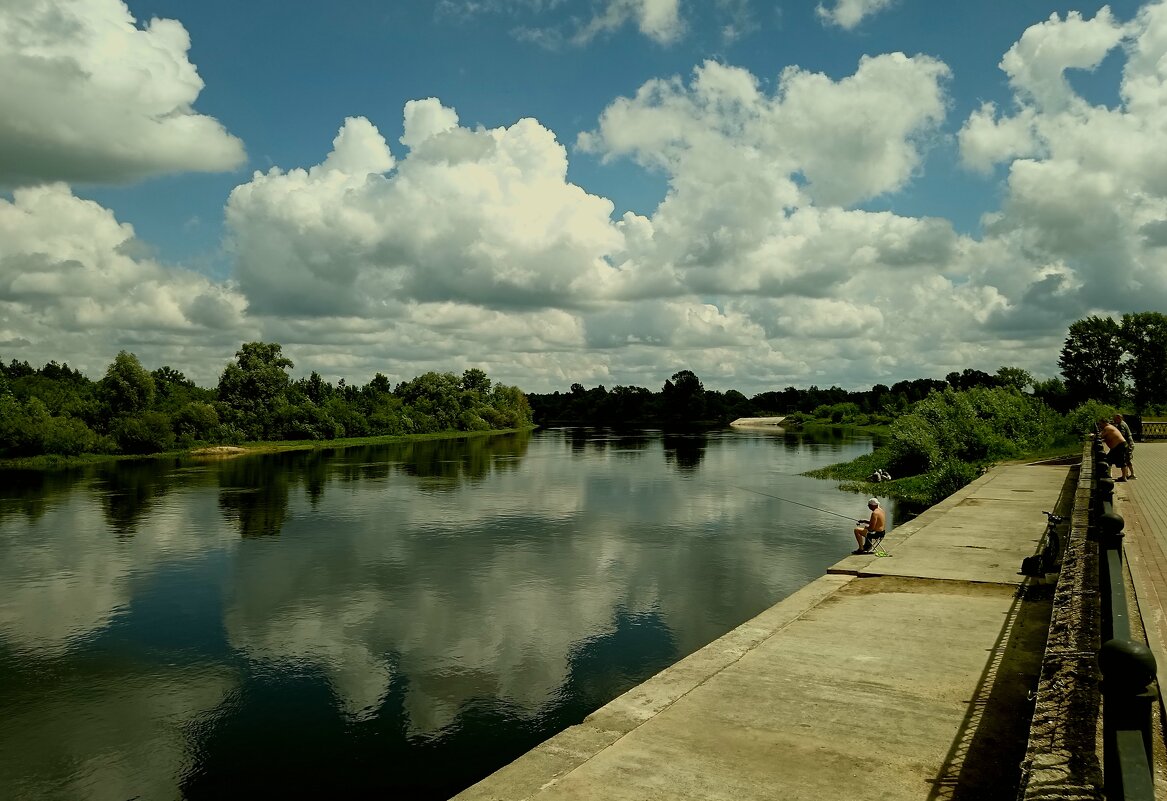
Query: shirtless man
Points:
[1125, 430]
[869, 532]
[1116, 448]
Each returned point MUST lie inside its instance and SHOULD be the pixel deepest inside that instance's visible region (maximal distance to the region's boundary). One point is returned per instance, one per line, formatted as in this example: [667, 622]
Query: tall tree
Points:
[1014, 378]
[1145, 337]
[475, 380]
[253, 384]
[127, 387]
[684, 396]
[1091, 360]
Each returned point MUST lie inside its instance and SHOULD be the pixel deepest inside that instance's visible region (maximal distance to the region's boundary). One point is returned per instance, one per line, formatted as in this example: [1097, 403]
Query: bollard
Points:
[1128, 696]
[1110, 525]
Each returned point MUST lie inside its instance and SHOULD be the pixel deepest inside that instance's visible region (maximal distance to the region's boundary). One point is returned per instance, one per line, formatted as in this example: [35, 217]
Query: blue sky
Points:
[851, 198]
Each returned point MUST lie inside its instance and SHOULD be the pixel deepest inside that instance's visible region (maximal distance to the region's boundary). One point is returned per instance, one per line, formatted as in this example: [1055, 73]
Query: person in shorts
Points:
[869, 532]
[1125, 430]
[1116, 454]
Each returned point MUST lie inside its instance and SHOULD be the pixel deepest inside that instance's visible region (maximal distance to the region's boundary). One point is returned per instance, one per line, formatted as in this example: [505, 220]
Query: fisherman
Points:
[869, 533]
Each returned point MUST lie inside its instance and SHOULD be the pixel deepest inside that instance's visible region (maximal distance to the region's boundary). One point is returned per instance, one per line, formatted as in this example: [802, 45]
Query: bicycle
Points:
[1045, 562]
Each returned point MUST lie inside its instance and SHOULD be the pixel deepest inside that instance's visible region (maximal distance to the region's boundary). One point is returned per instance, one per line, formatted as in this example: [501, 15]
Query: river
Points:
[392, 621]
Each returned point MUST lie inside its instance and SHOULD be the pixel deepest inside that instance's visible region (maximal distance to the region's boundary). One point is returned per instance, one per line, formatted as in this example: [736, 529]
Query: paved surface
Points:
[870, 683]
[1143, 505]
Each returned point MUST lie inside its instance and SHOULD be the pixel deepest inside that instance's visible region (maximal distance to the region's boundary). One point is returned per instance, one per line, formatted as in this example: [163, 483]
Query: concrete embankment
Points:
[903, 677]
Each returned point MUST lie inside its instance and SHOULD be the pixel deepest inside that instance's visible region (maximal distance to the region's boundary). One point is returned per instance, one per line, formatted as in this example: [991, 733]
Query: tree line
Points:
[55, 409]
[1122, 363]
[58, 410]
[683, 399]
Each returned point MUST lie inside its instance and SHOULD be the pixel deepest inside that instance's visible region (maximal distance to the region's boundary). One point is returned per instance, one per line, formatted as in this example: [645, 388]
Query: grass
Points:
[920, 489]
[58, 462]
[277, 446]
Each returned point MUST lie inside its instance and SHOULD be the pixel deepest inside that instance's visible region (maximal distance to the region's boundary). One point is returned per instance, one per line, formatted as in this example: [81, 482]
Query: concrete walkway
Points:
[1143, 505]
[889, 678]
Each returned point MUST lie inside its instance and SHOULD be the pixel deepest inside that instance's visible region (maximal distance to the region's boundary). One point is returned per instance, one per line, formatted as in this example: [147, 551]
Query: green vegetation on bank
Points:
[52, 461]
[945, 440]
[951, 436]
[56, 413]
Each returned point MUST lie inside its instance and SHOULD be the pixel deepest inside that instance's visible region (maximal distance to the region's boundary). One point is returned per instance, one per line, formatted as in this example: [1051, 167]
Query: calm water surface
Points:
[396, 621]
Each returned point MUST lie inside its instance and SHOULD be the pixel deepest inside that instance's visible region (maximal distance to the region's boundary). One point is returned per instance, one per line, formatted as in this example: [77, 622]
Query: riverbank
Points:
[56, 462]
[931, 487]
[767, 423]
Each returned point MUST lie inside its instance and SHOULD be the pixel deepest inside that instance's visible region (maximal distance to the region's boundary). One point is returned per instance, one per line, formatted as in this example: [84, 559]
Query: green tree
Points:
[509, 408]
[196, 421]
[1053, 393]
[475, 380]
[379, 385]
[1014, 378]
[127, 388]
[252, 389]
[684, 396]
[969, 378]
[150, 432]
[317, 389]
[1144, 335]
[433, 401]
[1091, 360]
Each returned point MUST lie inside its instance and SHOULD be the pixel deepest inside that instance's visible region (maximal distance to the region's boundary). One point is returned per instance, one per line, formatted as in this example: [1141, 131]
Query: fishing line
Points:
[796, 503]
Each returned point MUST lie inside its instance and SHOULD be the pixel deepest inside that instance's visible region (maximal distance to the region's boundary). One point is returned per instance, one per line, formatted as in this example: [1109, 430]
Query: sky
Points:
[766, 193]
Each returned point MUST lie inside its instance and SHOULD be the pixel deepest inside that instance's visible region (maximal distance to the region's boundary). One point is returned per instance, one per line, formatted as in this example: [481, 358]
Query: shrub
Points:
[229, 434]
[196, 421]
[469, 421]
[1080, 421]
[913, 448]
[950, 476]
[149, 432]
[67, 436]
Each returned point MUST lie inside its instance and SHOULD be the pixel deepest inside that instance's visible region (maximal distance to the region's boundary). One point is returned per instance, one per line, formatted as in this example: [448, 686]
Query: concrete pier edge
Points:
[955, 566]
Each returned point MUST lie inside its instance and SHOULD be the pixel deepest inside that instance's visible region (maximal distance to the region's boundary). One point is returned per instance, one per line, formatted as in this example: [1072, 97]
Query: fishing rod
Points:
[796, 503]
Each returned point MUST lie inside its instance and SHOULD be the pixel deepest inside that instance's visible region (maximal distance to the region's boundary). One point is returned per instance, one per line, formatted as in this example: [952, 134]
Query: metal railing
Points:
[1153, 429]
[1129, 690]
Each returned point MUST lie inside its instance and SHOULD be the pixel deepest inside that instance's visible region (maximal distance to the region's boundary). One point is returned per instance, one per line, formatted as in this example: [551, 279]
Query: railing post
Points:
[1128, 668]
[1128, 699]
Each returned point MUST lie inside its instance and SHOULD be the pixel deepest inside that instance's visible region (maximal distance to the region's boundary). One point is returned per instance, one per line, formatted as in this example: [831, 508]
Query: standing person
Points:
[869, 532]
[1116, 448]
[1125, 430]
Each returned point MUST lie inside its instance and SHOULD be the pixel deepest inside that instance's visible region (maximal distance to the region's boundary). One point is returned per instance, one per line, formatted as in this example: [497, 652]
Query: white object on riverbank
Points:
[753, 422]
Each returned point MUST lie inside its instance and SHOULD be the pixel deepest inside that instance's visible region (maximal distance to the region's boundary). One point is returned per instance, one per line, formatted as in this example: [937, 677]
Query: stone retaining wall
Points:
[1063, 758]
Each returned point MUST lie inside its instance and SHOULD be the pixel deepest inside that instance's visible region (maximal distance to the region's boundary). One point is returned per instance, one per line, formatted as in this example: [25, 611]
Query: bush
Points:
[229, 434]
[950, 476]
[913, 448]
[1080, 422]
[196, 421]
[469, 421]
[149, 432]
[67, 436]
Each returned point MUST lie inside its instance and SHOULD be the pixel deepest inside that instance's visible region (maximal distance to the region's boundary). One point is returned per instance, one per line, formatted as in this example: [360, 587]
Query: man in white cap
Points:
[868, 533]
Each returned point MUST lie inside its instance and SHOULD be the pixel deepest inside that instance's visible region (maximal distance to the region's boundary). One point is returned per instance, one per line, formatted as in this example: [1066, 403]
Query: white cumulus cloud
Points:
[659, 20]
[1085, 182]
[88, 96]
[848, 14]
[480, 216]
[72, 285]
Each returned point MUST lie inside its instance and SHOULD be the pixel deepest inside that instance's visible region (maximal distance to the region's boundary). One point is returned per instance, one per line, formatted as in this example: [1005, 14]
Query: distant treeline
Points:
[57, 410]
[684, 399]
